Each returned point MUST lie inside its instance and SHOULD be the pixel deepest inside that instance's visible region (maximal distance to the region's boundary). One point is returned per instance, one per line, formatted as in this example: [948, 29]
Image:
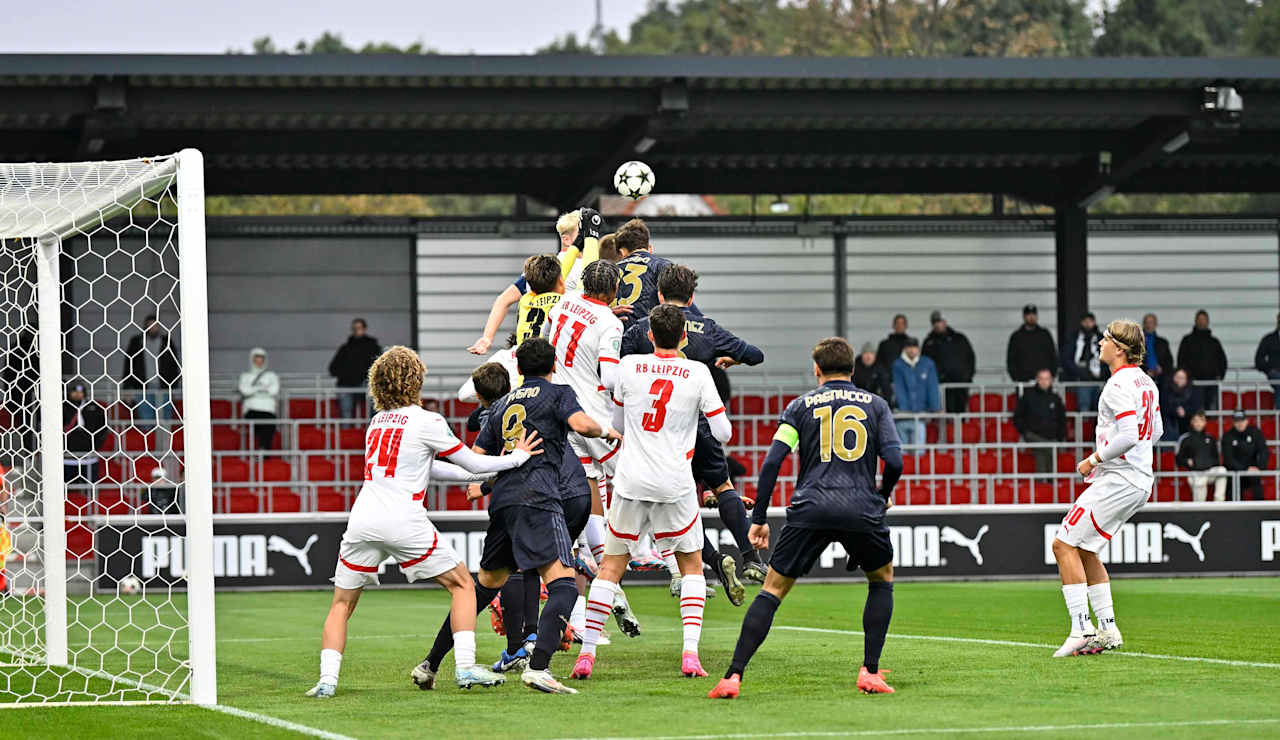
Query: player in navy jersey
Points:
[640, 268]
[527, 527]
[709, 343]
[841, 432]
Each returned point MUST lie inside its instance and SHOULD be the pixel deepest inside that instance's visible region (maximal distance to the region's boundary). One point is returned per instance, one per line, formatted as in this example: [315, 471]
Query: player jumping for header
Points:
[659, 398]
[841, 431]
[1120, 477]
[388, 519]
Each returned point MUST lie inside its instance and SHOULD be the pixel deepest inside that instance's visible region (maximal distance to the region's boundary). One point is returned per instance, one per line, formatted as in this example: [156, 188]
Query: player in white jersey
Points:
[1120, 477]
[658, 398]
[388, 519]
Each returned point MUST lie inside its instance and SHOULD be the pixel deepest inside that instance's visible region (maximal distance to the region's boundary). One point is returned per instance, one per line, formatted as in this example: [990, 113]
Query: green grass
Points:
[799, 682]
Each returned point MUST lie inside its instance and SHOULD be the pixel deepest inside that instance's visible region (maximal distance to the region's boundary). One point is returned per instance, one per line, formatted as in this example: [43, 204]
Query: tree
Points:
[1261, 35]
[332, 43]
[1186, 28]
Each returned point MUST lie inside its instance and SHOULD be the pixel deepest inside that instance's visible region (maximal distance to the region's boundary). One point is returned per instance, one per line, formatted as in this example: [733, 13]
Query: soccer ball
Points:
[129, 585]
[634, 180]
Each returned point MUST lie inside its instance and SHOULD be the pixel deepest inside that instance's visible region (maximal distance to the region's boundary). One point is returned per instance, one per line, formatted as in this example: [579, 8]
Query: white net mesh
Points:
[113, 227]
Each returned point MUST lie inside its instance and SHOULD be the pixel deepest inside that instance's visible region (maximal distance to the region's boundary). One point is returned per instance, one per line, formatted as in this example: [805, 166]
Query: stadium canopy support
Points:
[1071, 252]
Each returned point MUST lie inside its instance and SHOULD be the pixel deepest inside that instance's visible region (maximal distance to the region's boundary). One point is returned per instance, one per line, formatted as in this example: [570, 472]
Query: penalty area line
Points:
[283, 724]
[1015, 643]
[958, 730]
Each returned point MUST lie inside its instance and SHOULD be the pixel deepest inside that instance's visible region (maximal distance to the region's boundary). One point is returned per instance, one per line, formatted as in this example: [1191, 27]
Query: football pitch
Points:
[1202, 659]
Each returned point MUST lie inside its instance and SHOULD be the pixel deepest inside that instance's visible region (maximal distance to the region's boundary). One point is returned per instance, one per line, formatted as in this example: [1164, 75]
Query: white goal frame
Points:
[193, 302]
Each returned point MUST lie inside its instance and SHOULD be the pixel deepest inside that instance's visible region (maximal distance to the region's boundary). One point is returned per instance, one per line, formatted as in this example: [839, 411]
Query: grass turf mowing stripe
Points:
[283, 724]
[1014, 643]
[958, 730]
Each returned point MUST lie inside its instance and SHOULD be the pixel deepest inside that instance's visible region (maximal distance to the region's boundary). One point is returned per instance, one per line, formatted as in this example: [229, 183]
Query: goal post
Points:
[105, 406]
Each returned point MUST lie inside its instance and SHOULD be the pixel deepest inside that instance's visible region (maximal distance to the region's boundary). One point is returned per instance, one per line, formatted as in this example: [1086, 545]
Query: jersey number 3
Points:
[833, 429]
[384, 452]
[656, 416]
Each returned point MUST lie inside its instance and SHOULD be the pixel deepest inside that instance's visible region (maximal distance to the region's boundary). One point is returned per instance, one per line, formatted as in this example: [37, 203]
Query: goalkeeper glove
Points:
[592, 224]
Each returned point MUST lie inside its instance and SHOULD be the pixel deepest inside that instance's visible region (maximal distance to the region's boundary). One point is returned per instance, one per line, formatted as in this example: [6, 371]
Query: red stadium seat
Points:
[112, 501]
[1166, 461]
[1008, 432]
[1211, 428]
[456, 499]
[285, 500]
[351, 439]
[230, 469]
[76, 504]
[1021, 462]
[114, 470]
[79, 541]
[138, 440]
[779, 404]
[311, 437]
[331, 499]
[1069, 400]
[321, 469]
[746, 405]
[461, 409]
[276, 470]
[1066, 462]
[956, 494]
[108, 444]
[988, 463]
[142, 468]
[1251, 400]
[1045, 493]
[221, 408]
[944, 463]
[177, 440]
[306, 408]
[908, 464]
[226, 439]
[1004, 493]
[763, 431]
[990, 402]
[1269, 426]
[919, 494]
[1166, 489]
[243, 501]
[1230, 401]
[971, 432]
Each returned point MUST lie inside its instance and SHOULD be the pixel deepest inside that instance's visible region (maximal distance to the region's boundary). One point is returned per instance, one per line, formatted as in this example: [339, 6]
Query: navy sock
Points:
[444, 638]
[734, 515]
[755, 627]
[875, 622]
[512, 599]
[710, 555]
[561, 593]
[532, 598]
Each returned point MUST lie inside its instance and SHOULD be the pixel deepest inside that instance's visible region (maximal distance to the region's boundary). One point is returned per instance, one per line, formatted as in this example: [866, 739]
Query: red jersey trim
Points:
[616, 401]
[623, 535]
[596, 301]
[452, 450]
[358, 568]
[420, 495]
[710, 414]
[1123, 414]
[1126, 367]
[614, 360]
[666, 535]
[410, 563]
[1092, 521]
[612, 452]
[688, 455]
[668, 354]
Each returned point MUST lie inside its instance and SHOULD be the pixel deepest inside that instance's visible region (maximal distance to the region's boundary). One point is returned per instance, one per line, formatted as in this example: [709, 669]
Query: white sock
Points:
[599, 606]
[1077, 597]
[693, 600]
[464, 649]
[330, 665]
[1100, 598]
[595, 536]
[578, 617]
[669, 558]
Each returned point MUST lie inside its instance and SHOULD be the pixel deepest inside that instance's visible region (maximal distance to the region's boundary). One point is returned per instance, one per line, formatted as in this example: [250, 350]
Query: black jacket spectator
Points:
[135, 374]
[874, 378]
[88, 432]
[1042, 413]
[953, 355]
[1201, 354]
[1243, 449]
[1267, 358]
[890, 349]
[1172, 398]
[351, 363]
[1197, 451]
[1031, 349]
[1080, 355]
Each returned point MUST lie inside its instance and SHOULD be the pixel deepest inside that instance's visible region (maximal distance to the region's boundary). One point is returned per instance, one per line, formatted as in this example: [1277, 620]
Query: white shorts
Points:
[675, 526]
[416, 546]
[599, 456]
[1096, 515]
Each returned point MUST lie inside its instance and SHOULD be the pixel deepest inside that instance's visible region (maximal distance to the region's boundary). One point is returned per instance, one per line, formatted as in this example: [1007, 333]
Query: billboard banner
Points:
[298, 550]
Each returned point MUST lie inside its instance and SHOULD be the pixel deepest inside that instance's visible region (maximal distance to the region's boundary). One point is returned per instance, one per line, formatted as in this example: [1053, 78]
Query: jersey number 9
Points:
[512, 427]
[833, 429]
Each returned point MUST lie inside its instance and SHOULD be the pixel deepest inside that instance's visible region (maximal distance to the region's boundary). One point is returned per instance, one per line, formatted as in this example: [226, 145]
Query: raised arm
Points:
[450, 473]
[497, 312]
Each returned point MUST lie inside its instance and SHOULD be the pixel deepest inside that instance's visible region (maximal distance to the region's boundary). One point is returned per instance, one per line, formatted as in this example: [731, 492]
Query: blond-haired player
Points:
[388, 518]
[579, 233]
[1120, 477]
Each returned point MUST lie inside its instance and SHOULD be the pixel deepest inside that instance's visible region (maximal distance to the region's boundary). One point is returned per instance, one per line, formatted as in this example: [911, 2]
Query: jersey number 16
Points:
[833, 428]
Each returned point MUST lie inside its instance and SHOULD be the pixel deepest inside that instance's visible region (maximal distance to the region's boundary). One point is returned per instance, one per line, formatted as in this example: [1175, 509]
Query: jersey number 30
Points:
[1146, 428]
[833, 430]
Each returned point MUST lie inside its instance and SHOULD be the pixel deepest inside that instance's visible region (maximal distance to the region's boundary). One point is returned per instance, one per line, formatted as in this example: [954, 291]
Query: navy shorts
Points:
[798, 548]
[576, 512]
[709, 465]
[524, 538]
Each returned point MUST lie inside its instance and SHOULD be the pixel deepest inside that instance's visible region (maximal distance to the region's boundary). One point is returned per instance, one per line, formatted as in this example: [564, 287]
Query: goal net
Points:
[106, 582]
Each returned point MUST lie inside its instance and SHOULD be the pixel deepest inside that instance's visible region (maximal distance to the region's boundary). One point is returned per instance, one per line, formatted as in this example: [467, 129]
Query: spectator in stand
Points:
[1031, 348]
[891, 346]
[84, 428]
[1244, 448]
[915, 383]
[1267, 360]
[151, 368]
[1201, 354]
[161, 494]
[259, 390]
[953, 355]
[1082, 363]
[350, 366]
[1158, 361]
[1198, 452]
[1041, 416]
[432, 405]
[1178, 401]
[21, 377]
[870, 375]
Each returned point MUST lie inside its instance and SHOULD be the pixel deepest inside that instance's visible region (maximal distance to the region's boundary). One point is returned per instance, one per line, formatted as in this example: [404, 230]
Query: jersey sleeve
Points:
[610, 342]
[521, 284]
[567, 405]
[789, 425]
[1122, 401]
[886, 430]
[728, 345]
[437, 436]
[709, 402]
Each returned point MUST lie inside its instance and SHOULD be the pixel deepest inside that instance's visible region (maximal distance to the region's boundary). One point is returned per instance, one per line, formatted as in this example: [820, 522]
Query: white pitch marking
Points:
[283, 724]
[1014, 643]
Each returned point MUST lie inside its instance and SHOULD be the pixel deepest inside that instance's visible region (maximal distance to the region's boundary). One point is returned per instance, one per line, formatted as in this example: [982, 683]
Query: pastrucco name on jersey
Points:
[843, 394]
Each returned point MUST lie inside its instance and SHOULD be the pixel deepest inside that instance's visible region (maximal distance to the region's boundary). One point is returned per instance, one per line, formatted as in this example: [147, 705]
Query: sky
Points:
[213, 26]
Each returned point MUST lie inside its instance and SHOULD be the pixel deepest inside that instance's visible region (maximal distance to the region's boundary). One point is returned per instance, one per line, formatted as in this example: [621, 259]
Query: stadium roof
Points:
[554, 127]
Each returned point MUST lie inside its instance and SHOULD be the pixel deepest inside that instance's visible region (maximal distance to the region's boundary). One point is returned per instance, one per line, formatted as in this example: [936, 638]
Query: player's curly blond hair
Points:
[1127, 335]
[395, 379]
